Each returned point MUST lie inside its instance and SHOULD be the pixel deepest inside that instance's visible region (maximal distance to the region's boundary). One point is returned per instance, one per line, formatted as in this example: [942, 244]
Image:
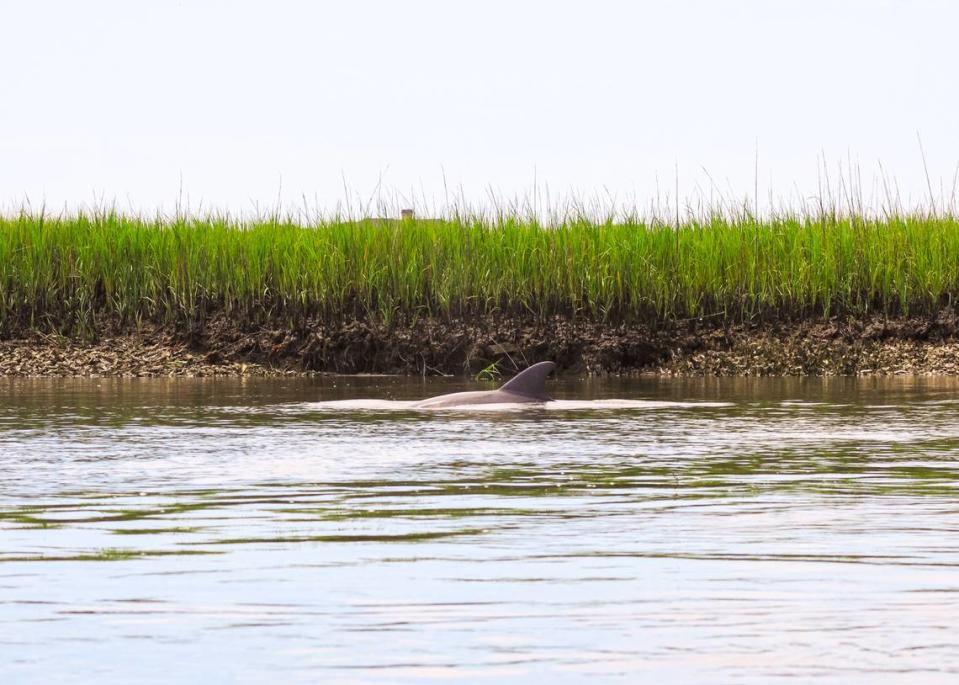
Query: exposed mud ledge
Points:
[878, 345]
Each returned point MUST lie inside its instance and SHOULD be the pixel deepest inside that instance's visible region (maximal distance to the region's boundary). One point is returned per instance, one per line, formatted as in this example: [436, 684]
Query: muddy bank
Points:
[923, 345]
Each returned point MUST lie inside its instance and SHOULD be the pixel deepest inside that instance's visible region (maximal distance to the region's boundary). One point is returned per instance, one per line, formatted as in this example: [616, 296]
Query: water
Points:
[264, 531]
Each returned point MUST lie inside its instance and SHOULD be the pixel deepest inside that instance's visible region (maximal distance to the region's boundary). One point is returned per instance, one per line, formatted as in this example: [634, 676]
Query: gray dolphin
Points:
[528, 386]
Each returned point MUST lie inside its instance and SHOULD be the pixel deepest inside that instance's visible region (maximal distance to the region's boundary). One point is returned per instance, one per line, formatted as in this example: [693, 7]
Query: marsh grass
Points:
[71, 274]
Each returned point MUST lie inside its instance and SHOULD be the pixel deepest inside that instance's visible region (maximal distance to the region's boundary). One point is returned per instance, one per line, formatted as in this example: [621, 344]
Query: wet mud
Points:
[430, 346]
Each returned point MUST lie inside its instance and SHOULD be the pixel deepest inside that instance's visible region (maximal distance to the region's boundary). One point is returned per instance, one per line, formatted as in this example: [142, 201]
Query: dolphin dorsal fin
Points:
[532, 381]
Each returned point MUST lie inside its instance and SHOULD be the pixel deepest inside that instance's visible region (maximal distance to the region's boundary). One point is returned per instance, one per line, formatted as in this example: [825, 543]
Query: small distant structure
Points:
[405, 215]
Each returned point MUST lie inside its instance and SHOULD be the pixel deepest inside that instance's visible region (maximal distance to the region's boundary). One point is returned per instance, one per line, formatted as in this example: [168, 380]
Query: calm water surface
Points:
[246, 531]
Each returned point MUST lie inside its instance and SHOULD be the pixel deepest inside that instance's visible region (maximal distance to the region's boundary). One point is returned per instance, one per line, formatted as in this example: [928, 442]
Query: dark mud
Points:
[878, 345]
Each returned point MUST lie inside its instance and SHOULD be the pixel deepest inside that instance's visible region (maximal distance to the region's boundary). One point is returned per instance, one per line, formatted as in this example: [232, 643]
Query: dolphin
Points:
[527, 387]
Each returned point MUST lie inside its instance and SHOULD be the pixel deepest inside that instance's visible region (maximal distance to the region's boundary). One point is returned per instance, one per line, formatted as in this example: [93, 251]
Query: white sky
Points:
[244, 100]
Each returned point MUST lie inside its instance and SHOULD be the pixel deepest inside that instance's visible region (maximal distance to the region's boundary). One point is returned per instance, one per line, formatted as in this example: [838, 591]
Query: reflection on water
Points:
[694, 531]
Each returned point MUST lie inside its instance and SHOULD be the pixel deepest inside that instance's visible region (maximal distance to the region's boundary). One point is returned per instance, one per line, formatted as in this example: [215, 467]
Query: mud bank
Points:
[879, 345]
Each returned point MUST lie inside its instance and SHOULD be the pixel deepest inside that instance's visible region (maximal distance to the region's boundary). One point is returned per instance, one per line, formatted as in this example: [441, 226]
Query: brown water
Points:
[250, 531]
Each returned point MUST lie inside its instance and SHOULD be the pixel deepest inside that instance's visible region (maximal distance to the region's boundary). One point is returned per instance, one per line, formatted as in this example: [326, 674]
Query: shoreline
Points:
[878, 345]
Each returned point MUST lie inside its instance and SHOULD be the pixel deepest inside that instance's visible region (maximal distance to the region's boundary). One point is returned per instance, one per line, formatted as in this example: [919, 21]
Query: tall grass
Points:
[73, 273]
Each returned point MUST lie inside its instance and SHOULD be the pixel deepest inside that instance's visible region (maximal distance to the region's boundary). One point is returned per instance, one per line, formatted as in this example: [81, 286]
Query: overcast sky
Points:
[243, 101]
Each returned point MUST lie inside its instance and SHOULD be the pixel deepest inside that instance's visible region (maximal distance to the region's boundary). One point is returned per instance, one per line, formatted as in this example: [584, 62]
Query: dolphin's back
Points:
[461, 399]
[530, 382]
[527, 386]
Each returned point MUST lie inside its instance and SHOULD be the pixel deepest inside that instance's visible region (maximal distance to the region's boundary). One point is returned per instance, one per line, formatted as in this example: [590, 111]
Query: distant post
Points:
[406, 214]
